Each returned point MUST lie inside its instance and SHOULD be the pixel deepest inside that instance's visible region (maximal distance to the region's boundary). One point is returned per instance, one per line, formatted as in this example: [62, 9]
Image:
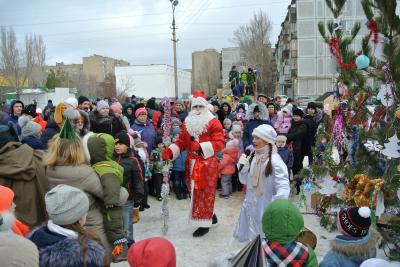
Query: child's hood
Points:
[232, 152]
[101, 147]
[282, 221]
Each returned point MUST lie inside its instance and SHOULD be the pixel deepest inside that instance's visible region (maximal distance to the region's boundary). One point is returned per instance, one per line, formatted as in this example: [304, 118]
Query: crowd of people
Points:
[75, 177]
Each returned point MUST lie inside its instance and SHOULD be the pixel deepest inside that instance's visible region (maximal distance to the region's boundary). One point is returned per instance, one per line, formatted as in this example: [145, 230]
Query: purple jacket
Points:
[147, 133]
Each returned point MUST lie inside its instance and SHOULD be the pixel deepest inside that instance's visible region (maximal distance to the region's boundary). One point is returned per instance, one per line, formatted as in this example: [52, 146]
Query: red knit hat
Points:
[6, 198]
[151, 252]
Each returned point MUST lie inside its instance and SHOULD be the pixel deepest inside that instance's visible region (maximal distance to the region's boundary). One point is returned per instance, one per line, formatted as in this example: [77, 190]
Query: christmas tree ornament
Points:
[373, 146]
[385, 95]
[362, 62]
[397, 113]
[354, 145]
[392, 148]
[334, 48]
[373, 30]
[359, 189]
[380, 205]
[338, 129]
[378, 115]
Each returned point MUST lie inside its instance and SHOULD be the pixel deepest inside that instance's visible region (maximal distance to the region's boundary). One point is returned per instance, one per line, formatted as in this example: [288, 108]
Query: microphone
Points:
[247, 153]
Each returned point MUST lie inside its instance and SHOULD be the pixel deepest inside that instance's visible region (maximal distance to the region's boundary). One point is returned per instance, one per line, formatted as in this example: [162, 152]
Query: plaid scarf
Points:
[293, 254]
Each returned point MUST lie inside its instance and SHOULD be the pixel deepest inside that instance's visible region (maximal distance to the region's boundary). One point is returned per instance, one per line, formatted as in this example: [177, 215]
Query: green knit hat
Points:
[67, 131]
[246, 99]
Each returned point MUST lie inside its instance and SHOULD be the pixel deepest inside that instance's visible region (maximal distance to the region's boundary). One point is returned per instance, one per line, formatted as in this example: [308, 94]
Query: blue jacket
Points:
[33, 141]
[59, 250]
[248, 130]
[350, 251]
[179, 163]
[147, 133]
[286, 155]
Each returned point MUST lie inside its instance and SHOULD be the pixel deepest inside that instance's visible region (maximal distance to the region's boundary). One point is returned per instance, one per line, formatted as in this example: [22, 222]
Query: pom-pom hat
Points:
[354, 221]
[199, 98]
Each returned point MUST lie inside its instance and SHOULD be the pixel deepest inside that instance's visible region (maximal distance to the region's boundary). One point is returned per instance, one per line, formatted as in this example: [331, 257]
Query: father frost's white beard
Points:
[196, 122]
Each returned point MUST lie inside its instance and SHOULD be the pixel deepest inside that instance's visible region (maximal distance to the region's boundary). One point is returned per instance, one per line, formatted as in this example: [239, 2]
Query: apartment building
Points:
[231, 56]
[206, 71]
[305, 66]
[97, 67]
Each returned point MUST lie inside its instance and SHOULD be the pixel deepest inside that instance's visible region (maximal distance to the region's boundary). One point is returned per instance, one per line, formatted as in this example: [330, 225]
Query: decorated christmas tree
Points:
[364, 136]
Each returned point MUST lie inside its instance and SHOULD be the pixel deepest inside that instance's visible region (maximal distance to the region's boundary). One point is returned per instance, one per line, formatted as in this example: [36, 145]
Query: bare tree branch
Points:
[17, 65]
[253, 40]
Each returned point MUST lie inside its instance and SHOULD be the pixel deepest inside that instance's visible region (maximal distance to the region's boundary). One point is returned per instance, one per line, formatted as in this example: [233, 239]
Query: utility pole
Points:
[174, 3]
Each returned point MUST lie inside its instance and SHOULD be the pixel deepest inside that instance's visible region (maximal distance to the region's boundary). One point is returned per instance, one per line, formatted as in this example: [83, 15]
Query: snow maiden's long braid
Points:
[268, 169]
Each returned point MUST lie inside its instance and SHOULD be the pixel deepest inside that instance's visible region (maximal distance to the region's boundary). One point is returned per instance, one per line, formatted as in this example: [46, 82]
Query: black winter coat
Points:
[133, 174]
[297, 134]
[312, 131]
[51, 130]
[109, 125]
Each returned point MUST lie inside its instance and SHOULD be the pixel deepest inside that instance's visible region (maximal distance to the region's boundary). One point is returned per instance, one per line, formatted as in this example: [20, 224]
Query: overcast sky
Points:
[136, 30]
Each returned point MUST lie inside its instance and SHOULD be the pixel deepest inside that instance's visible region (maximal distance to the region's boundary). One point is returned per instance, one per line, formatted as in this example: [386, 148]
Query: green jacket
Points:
[282, 222]
[111, 174]
[243, 77]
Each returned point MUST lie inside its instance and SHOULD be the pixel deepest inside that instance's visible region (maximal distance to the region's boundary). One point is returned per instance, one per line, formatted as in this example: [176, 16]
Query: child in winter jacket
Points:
[284, 121]
[283, 151]
[30, 132]
[133, 182]
[111, 174]
[227, 128]
[227, 167]
[63, 241]
[141, 149]
[178, 171]
[157, 166]
[357, 243]
[281, 223]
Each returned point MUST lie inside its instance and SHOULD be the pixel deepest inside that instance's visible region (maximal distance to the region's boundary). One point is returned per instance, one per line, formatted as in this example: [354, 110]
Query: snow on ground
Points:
[198, 252]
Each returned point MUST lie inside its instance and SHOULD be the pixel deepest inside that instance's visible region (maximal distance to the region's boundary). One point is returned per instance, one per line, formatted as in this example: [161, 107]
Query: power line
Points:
[134, 16]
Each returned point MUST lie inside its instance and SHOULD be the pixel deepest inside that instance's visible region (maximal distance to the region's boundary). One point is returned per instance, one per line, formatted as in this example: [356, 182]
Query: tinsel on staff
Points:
[166, 103]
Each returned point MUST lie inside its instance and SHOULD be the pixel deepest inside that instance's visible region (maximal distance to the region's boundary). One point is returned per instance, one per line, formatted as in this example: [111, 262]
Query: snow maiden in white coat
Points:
[267, 179]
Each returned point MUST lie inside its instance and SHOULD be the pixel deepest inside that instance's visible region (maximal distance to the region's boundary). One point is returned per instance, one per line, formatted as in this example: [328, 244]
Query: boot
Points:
[201, 231]
[120, 253]
[214, 219]
[136, 216]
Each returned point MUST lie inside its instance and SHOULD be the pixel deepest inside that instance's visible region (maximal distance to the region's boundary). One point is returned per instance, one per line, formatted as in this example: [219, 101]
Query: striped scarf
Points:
[293, 254]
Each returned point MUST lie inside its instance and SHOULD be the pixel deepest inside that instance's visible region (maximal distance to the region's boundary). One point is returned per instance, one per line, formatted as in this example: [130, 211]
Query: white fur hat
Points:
[72, 101]
[288, 109]
[199, 98]
[266, 133]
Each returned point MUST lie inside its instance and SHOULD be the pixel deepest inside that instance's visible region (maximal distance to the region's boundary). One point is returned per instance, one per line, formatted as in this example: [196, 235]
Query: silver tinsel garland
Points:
[164, 207]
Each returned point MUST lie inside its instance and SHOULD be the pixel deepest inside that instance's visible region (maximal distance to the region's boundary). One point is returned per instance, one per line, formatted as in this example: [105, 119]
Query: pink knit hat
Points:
[140, 110]
[116, 107]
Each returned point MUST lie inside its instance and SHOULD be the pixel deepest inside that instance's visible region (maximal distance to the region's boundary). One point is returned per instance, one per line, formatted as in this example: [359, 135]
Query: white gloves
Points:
[243, 160]
[243, 164]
